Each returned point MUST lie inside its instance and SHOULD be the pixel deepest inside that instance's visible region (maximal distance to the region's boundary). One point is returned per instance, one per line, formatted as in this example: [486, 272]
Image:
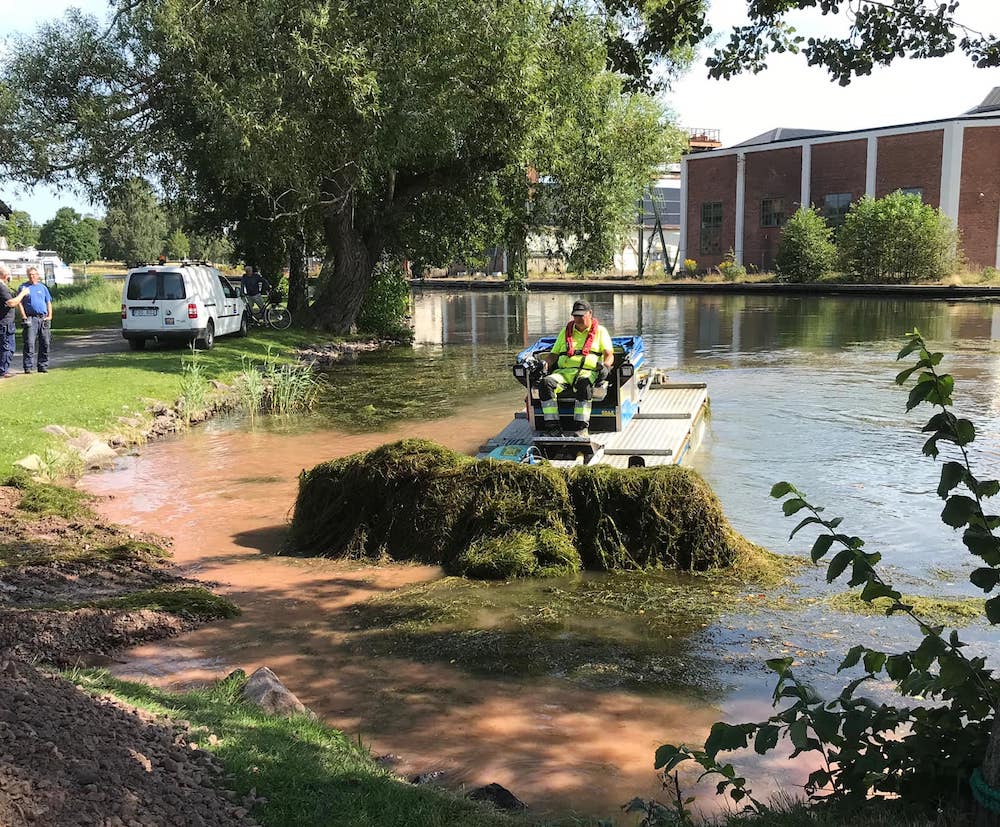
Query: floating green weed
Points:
[950, 611]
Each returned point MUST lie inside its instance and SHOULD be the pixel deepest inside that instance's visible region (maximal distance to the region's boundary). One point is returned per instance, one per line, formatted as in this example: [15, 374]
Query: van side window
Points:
[142, 287]
[173, 286]
[227, 289]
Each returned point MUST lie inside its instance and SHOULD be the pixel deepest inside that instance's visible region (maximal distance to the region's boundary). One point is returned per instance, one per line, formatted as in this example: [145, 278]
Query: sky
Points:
[789, 93]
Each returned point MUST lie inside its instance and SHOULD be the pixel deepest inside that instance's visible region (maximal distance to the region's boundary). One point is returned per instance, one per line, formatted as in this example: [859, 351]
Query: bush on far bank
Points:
[897, 238]
[806, 251]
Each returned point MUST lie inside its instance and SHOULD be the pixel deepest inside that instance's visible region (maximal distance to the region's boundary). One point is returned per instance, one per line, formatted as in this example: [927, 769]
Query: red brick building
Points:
[738, 198]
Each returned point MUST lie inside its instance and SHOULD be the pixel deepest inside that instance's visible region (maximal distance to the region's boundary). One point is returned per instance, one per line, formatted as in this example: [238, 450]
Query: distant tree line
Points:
[136, 228]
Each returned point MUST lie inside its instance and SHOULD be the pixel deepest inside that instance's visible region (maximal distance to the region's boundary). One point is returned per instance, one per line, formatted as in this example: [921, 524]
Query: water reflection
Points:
[801, 388]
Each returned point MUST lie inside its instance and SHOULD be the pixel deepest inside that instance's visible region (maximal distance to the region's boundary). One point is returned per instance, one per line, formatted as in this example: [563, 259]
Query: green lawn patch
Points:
[191, 602]
[310, 774]
[41, 499]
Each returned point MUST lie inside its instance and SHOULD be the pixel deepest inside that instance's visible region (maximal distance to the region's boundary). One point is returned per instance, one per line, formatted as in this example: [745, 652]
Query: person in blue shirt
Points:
[36, 321]
[8, 301]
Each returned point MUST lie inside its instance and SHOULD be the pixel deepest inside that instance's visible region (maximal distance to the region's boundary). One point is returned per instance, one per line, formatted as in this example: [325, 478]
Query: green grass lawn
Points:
[94, 393]
[309, 773]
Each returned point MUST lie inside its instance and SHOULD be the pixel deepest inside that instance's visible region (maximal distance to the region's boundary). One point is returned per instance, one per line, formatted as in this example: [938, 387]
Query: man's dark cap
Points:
[581, 307]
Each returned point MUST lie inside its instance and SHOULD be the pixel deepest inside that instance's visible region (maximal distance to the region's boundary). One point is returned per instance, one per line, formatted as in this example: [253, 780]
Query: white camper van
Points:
[180, 302]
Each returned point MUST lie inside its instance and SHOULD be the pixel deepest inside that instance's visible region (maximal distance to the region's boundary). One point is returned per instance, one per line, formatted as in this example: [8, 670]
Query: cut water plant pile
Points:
[71, 587]
[415, 500]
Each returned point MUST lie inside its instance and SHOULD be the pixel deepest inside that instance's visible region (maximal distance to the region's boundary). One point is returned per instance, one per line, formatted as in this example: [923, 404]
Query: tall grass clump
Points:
[277, 388]
[95, 295]
[195, 387]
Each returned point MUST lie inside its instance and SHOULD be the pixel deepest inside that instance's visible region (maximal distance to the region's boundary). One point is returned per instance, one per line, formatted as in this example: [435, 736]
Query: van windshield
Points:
[152, 285]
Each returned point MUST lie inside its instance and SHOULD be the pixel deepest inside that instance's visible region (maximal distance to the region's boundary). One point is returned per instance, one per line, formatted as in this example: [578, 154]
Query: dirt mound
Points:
[71, 586]
[67, 758]
[415, 500]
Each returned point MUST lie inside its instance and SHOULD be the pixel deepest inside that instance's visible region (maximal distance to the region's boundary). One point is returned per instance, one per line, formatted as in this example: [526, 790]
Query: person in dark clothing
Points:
[8, 301]
[254, 285]
[36, 320]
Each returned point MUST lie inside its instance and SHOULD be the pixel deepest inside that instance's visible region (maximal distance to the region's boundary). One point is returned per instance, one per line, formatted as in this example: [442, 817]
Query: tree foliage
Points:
[897, 238]
[135, 226]
[399, 131]
[19, 230]
[73, 237]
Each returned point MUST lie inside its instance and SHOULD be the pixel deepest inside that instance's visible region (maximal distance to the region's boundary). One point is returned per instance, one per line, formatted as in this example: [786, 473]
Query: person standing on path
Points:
[36, 320]
[8, 301]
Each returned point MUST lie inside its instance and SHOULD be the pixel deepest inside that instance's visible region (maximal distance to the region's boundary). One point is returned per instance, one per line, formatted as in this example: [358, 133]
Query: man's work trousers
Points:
[37, 332]
[7, 345]
[552, 384]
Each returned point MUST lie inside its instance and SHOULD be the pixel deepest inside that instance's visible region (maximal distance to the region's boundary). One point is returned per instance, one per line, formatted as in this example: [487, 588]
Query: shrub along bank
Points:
[415, 500]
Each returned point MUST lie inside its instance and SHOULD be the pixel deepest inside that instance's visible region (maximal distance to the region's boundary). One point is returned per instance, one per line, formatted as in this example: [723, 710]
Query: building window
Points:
[772, 212]
[711, 228]
[917, 191]
[835, 208]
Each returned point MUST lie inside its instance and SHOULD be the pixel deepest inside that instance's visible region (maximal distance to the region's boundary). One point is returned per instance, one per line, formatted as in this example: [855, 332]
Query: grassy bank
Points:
[86, 305]
[96, 393]
[309, 773]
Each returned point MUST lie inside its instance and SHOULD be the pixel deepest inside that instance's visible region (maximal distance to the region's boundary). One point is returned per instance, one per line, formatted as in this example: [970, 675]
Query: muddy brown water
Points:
[223, 497]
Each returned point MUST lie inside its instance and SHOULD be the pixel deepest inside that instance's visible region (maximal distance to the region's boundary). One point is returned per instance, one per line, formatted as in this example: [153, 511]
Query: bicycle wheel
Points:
[278, 317]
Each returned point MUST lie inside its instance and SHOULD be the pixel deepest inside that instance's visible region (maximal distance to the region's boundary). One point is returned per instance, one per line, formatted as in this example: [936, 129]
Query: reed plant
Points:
[274, 387]
[195, 386]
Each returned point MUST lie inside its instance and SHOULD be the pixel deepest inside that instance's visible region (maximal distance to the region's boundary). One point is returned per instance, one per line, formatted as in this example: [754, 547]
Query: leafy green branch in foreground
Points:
[926, 754]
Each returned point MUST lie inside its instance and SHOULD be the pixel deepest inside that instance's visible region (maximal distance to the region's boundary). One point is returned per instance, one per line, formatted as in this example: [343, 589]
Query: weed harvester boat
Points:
[638, 417]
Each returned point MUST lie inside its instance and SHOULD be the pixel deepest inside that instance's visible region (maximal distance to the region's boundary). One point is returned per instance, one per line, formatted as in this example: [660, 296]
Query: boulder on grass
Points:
[263, 689]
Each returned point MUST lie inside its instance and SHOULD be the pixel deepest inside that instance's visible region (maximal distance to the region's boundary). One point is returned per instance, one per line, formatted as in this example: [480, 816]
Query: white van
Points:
[181, 302]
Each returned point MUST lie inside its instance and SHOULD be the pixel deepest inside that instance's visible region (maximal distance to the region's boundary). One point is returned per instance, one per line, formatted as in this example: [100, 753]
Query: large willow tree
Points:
[396, 129]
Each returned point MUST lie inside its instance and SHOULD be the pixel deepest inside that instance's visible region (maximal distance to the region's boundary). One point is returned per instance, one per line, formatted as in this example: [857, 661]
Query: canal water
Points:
[801, 389]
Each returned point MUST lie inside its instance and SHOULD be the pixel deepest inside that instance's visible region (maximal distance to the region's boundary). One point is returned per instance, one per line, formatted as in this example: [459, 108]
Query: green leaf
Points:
[799, 734]
[983, 544]
[903, 375]
[793, 505]
[954, 670]
[767, 739]
[726, 737]
[915, 343]
[987, 488]
[803, 524]
[874, 589]
[779, 489]
[919, 393]
[898, 666]
[993, 610]
[841, 560]
[779, 665]
[985, 578]
[965, 432]
[820, 547]
[852, 658]
[943, 387]
[874, 661]
[668, 756]
[958, 510]
[952, 473]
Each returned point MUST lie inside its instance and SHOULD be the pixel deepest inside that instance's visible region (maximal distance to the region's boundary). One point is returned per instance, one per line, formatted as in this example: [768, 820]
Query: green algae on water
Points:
[415, 500]
[950, 611]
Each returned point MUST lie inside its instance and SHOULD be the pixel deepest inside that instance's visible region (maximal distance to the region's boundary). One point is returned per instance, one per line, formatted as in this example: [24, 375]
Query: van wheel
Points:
[245, 326]
[136, 344]
[207, 341]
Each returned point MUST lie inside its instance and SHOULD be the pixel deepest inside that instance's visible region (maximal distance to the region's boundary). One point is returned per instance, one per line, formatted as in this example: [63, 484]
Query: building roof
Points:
[991, 103]
[784, 133]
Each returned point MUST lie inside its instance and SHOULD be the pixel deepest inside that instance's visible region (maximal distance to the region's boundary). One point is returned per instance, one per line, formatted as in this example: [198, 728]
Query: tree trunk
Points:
[517, 258]
[343, 293]
[298, 281]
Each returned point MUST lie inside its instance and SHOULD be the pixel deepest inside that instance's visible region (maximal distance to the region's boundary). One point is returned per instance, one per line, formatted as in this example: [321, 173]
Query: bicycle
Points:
[272, 314]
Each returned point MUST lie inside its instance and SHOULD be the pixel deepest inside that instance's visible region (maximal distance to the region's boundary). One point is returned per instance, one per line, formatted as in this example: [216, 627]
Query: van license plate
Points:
[143, 311]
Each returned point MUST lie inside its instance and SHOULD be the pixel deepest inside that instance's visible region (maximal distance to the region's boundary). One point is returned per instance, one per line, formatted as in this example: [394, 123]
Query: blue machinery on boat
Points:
[637, 419]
